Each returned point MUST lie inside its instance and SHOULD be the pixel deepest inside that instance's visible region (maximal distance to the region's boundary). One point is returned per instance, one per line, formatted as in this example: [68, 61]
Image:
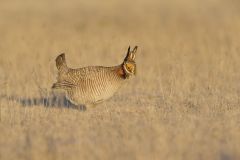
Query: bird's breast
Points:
[98, 87]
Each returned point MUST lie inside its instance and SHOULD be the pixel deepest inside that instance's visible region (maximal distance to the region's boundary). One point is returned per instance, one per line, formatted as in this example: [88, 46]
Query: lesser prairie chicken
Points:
[93, 84]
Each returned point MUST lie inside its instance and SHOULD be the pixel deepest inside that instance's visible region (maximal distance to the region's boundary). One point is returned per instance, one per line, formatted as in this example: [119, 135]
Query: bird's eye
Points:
[128, 67]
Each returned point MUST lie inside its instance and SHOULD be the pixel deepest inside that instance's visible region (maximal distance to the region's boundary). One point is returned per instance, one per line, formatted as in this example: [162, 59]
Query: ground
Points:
[184, 102]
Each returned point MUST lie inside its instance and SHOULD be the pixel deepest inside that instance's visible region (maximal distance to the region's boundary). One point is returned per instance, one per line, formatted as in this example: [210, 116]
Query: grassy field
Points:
[184, 103]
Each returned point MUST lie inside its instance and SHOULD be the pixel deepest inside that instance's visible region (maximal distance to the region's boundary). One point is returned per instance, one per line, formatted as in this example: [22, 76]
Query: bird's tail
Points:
[62, 69]
[61, 63]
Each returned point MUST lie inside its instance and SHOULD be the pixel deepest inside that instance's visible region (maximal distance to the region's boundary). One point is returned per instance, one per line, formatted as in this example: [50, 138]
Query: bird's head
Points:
[129, 64]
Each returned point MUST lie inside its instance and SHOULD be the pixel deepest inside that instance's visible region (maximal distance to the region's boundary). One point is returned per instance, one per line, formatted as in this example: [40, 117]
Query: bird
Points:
[91, 85]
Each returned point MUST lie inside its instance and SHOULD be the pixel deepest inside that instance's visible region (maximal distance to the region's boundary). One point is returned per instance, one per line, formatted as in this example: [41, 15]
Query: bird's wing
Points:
[78, 76]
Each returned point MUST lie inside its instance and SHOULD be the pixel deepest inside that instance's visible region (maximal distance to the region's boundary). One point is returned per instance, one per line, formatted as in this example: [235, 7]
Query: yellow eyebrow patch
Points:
[130, 66]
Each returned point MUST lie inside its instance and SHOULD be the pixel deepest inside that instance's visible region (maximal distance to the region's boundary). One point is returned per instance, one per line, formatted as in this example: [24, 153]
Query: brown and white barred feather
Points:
[90, 85]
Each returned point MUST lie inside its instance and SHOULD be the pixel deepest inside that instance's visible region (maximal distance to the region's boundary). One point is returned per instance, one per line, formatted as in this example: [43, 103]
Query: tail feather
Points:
[63, 85]
[62, 69]
[61, 63]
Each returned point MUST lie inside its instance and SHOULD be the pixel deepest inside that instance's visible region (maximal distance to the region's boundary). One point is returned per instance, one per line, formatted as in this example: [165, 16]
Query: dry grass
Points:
[183, 104]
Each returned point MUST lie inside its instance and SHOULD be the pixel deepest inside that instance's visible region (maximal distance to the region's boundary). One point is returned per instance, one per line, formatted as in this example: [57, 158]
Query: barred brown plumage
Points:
[93, 84]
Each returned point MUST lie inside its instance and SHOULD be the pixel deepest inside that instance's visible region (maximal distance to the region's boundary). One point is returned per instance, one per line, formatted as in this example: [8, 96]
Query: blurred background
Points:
[34, 33]
[183, 103]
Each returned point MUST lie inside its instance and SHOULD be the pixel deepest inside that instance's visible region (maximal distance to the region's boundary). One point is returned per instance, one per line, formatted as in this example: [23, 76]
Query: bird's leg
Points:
[82, 107]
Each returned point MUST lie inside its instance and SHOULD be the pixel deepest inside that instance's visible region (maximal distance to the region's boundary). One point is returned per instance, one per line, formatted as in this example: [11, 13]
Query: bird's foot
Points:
[82, 108]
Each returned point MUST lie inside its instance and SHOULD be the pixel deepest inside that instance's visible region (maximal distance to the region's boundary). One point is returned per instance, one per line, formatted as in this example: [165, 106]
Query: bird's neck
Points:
[121, 72]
